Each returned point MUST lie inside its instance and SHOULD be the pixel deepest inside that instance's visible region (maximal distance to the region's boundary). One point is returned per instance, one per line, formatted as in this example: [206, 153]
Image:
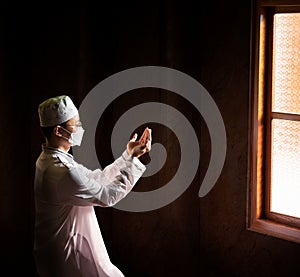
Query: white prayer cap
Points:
[56, 110]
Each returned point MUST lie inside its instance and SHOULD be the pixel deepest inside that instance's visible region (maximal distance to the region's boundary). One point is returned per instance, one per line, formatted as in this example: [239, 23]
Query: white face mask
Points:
[75, 138]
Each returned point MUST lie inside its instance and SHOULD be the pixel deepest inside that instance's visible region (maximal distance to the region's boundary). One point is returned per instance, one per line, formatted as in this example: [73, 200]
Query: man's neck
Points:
[58, 146]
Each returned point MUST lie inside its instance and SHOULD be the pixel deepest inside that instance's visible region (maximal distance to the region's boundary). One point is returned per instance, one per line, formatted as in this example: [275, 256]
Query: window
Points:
[274, 179]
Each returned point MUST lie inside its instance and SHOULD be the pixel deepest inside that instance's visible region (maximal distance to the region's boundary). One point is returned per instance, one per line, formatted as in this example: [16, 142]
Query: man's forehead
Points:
[74, 118]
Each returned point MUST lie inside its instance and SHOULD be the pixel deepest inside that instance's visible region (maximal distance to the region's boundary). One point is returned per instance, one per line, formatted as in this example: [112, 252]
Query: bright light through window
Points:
[285, 167]
[285, 132]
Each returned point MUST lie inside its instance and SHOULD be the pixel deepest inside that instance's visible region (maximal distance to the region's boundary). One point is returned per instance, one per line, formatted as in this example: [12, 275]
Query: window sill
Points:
[275, 229]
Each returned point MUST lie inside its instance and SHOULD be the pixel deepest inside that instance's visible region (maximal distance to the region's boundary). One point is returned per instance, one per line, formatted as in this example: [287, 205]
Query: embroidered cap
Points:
[56, 110]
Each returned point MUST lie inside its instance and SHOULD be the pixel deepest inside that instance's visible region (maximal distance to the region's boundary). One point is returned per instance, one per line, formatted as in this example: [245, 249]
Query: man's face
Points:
[66, 131]
[73, 123]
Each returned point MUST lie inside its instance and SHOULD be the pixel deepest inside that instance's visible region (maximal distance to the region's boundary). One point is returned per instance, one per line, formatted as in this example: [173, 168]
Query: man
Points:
[68, 241]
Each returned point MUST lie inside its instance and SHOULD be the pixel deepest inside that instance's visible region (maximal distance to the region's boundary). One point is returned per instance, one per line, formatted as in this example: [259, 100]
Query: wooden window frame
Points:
[259, 218]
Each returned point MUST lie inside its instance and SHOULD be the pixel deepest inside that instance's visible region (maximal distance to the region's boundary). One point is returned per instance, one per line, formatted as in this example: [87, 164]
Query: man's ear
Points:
[57, 131]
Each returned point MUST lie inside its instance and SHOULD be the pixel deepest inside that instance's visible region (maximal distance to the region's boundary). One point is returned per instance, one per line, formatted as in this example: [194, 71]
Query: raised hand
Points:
[139, 147]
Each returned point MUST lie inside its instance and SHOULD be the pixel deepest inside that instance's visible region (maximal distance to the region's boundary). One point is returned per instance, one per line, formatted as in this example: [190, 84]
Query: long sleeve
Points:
[102, 187]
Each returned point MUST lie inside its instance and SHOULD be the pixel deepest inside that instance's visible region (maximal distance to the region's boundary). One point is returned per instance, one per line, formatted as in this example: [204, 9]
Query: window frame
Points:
[260, 218]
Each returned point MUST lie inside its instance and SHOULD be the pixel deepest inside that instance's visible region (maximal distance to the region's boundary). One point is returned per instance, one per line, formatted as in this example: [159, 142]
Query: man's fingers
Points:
[134, 137]
[145, 136]
[146, 147]
[150, 134]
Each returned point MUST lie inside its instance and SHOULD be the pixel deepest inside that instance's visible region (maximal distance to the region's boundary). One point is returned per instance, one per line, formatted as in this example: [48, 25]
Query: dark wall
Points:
[57, 50]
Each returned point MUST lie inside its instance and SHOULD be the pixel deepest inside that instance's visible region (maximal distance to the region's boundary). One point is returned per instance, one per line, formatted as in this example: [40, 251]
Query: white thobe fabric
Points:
[68, 240]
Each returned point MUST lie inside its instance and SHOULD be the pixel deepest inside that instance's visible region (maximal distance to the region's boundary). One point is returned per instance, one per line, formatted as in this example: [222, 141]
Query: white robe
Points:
[68, 240]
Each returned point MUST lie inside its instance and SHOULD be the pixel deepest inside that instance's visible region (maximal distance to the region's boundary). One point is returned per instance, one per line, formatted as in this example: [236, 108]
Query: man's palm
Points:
[139, 147]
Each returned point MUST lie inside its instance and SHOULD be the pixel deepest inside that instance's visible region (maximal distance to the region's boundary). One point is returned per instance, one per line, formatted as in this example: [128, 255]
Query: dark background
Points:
[56, 49]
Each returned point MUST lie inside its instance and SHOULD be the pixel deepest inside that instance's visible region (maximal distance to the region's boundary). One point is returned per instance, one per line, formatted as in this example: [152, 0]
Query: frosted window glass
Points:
[286, 63]
[285, 167]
